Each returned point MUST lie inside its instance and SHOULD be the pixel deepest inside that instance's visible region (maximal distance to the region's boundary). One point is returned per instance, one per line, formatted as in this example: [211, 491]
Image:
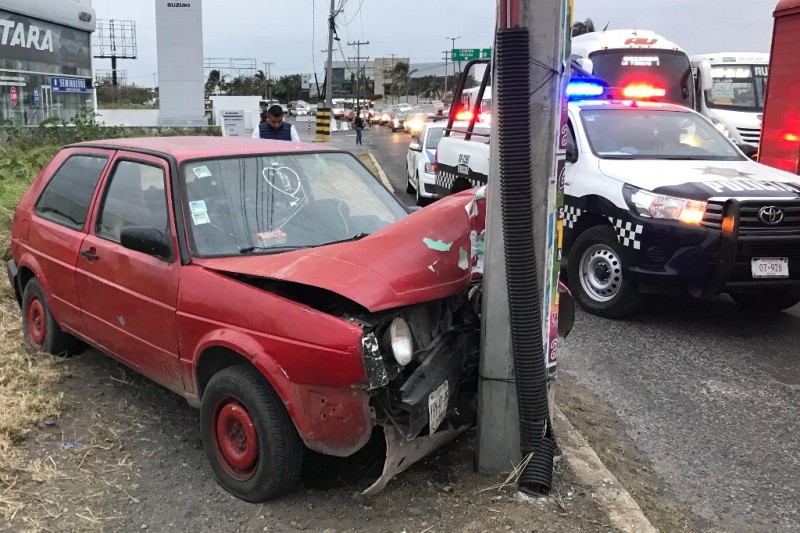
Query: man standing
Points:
[275, 128]
[358, 124]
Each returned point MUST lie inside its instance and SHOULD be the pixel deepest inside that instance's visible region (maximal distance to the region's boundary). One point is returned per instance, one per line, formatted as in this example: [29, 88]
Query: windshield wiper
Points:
[269, 249]
[356, 237]
[619, 157]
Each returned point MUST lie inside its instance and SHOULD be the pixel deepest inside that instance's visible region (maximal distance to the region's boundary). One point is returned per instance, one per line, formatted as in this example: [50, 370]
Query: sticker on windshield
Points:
[202, 172]
[200, 218]
[198, 207]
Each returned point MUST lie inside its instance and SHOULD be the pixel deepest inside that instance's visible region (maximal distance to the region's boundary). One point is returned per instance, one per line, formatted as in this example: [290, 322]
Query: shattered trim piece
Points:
[373, 362]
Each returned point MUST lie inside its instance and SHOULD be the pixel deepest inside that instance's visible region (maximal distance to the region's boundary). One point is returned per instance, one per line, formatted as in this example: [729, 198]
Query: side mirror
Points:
[415, 147]
[705, 75]
[586, 64]
[749, 150]
[146, 240]
[572, 154]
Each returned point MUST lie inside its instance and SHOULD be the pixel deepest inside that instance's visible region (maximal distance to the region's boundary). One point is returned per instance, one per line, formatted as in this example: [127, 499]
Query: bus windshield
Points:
[738, 87]
[664, 69]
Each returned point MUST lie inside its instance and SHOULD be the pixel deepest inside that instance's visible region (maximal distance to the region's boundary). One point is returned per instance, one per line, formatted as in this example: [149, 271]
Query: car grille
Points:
[750, 224]
[769, 249]
[750, 135]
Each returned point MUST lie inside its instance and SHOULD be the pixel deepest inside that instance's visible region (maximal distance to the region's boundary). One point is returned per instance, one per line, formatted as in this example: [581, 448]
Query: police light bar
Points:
[642, 91]
[577, 90]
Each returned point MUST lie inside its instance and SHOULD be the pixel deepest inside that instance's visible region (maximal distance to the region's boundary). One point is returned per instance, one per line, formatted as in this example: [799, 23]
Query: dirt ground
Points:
[125, 455]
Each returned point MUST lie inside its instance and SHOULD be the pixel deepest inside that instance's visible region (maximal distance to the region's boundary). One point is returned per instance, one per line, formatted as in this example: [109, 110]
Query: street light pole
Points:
[268, 74]
[452, 47]
[391, 70]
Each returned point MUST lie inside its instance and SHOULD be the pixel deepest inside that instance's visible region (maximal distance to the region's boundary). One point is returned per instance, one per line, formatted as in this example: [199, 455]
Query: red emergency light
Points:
[642, 91]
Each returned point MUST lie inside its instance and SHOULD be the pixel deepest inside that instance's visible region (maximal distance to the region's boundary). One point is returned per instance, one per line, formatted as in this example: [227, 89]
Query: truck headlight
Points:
[401, 341]
[667, 207]
[429, 168]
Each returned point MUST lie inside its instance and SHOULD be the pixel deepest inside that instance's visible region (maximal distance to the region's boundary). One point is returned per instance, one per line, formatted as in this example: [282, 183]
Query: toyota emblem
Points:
[770, 215]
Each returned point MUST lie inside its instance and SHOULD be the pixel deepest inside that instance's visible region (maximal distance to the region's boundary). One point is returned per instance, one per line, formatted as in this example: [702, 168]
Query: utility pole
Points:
[324, 116]
[268, 74]
[446, 57]
[538, 29]
[453, 47]
[358, 58]
[384, 81]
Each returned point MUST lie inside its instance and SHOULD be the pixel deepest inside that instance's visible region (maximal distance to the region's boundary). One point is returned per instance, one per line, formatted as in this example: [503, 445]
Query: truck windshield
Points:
[738, 87]
[637, 133]
[664, 69]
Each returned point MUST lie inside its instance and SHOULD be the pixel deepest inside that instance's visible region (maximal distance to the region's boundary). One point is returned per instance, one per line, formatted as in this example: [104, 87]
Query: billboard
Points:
[32, 40]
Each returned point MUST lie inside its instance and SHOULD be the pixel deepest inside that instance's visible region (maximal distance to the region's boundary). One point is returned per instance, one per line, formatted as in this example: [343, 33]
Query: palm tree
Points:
[399, 77]
[214, 82]
[580, 28]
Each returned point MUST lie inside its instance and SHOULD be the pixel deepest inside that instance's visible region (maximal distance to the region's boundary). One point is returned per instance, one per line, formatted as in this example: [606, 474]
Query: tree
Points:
[214, 84]
[399, 78]
[580, 28]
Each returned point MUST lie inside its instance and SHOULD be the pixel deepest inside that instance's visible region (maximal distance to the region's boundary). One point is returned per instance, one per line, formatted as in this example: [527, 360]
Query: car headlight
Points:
[429, 168]
[668, 207]
[723, 129]
[402, 342]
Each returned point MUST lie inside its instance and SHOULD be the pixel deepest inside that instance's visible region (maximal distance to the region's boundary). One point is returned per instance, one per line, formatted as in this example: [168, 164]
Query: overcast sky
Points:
[293, 33]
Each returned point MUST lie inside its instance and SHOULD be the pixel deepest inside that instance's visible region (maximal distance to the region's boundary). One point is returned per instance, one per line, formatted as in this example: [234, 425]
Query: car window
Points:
[135, 196]
[66, 198]
[283, 200]
[434, 136]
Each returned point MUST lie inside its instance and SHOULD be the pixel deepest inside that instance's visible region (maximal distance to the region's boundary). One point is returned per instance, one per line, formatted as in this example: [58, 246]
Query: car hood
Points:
[701, 180]
[425, 256]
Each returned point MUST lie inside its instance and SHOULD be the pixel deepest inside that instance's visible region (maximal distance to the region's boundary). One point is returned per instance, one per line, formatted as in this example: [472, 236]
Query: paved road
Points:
[708, 392]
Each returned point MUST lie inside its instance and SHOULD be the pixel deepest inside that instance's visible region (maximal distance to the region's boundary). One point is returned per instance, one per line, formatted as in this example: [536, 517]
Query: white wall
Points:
[128, 117]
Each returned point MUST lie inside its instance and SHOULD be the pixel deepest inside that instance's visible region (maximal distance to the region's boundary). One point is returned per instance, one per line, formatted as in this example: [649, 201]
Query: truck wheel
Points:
[249, 439]
[596, 277]
[768, 300]
[421, 200]
[42, 332]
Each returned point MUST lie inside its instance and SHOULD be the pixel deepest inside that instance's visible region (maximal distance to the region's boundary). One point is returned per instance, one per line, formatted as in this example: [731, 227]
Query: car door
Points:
[55, 233]
[128, 297]
[571, 166]
[411, 158]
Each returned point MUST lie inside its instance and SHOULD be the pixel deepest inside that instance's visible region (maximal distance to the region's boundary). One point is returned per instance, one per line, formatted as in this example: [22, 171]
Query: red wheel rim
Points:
[236, 439]
[36, 322]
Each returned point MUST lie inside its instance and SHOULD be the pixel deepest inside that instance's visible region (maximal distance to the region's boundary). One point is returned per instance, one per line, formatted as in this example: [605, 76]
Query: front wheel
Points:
[771, 300]
[596, 274]
[249, 439]
[409, 186]
[421, 200]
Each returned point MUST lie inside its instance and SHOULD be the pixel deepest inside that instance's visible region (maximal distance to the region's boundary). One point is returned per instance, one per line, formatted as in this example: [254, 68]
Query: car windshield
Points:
[738, 87]
[636, 133]
[274, 203]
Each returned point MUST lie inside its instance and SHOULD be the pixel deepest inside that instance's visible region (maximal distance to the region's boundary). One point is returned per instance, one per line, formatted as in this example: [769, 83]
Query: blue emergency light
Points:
[585, 89]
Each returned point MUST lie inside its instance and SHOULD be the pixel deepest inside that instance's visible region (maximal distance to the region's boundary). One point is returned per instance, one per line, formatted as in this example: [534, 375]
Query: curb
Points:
[621, 508]
[381, 174]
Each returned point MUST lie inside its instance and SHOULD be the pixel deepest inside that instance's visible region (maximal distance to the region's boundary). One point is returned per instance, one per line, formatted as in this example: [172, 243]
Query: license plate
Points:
[770, 267]
[437, 406]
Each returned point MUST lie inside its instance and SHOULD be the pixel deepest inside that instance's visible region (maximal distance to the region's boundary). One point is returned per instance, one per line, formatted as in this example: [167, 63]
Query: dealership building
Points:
[45, 59]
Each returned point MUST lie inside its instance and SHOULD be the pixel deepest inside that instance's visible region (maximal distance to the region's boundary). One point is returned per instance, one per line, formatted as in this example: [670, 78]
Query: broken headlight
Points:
[402, 341]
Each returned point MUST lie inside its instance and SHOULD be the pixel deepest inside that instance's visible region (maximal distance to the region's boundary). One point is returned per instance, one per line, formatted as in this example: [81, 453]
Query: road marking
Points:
[381, 174]
[622, 509]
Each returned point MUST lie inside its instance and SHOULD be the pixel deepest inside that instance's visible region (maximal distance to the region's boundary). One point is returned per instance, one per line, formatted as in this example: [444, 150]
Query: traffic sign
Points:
[12, 92]
[468, 54]
[37, 98]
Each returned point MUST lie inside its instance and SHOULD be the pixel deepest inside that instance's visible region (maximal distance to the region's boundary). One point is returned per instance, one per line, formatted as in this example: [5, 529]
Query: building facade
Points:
[45, 59]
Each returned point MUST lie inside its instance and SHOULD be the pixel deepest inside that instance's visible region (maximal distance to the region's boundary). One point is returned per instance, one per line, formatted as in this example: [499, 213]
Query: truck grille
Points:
[750, 223]
[750, 135]
[769, 249]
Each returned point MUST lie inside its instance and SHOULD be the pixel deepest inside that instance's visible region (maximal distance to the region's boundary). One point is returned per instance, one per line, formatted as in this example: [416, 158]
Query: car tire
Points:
[421, 200]
[596, 277]
[769, 300]
[409, 187]
[248, 436]
[39, 326]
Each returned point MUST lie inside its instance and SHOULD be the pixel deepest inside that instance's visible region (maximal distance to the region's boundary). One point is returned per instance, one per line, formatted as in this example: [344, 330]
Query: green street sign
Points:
[468, 54]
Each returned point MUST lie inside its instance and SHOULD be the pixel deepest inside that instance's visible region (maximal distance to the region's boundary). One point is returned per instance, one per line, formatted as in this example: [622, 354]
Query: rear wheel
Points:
[768, 299]
[421, 200]
[596, 274]
[42, 332]
[249, 439]
[409, 187]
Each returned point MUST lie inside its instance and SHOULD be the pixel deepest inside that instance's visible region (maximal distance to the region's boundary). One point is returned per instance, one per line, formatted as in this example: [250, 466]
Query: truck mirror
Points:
[705, 75]
[586, 64]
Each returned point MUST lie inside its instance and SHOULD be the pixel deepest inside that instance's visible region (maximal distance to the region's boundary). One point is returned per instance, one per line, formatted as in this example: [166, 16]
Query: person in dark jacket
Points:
[276, 128]
[358, 124]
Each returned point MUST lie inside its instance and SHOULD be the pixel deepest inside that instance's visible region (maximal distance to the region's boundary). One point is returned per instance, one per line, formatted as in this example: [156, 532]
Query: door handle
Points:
[91, 256]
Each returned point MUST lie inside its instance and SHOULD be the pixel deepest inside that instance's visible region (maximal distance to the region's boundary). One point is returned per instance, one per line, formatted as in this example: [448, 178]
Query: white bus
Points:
[637, 64]
[734, 102]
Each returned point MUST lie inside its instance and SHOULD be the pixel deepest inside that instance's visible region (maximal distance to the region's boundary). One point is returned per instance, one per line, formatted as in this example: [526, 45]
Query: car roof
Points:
[627, 104]
[182, 148]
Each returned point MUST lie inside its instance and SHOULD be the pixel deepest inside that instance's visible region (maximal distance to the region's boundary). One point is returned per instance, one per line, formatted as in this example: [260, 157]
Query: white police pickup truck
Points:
[656, 198]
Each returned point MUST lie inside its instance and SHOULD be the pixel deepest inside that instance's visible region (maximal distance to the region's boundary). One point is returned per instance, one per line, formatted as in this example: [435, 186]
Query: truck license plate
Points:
[437, 406]
[770, 267]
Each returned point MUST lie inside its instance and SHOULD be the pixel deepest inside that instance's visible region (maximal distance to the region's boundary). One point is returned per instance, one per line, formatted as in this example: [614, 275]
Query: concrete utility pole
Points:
[358, 58]
[325, 115]
[391, 69]
[446, 57]
[498, 419]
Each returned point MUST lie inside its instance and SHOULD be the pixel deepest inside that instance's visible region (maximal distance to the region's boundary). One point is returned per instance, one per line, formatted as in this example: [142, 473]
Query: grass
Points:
[369, 163]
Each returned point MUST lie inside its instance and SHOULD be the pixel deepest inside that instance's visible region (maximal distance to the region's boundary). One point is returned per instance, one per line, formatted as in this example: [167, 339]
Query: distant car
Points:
[404, 108]
[338, 112]
[414, 123]
[397, 121]
[279, 287]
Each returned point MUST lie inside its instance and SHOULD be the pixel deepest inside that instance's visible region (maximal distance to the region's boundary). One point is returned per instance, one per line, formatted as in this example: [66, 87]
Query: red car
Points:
[278, 287]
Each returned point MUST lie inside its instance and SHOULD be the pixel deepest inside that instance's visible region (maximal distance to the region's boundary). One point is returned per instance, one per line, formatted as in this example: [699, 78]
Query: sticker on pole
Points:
[437, 406]
[12, 94]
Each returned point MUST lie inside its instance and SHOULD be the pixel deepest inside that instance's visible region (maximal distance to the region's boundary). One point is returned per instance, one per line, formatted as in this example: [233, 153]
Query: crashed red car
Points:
[278, 287]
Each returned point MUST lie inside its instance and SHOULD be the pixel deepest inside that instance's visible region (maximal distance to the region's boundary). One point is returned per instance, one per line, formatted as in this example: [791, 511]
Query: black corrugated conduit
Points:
[516, 185]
